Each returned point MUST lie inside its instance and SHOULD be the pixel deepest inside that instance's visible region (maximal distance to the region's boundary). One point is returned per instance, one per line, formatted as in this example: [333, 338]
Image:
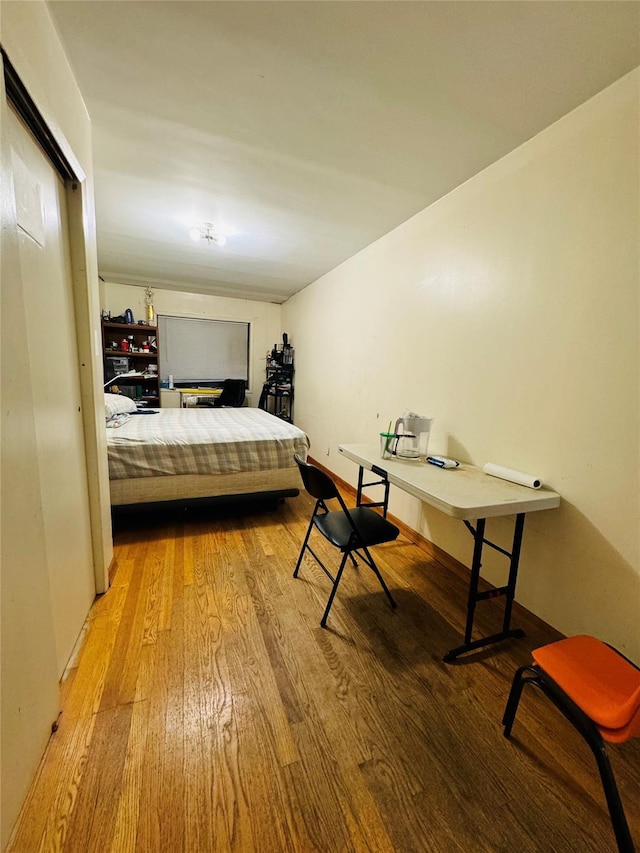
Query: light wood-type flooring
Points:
[206, 710]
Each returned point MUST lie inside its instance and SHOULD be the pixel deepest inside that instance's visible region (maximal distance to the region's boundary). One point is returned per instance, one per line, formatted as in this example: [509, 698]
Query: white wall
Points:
[30, 700]
[263, 316]
[508, 311]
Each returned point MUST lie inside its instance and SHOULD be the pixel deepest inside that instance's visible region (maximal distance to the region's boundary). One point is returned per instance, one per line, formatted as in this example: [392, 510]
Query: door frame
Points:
[84, 271]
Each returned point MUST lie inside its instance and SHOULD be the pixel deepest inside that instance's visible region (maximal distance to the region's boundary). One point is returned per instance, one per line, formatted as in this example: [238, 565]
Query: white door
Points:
[44, 259]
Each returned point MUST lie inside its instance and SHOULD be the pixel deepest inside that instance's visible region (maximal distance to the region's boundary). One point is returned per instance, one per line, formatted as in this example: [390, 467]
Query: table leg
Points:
[513, 571]
[476, 564]
[474, 596]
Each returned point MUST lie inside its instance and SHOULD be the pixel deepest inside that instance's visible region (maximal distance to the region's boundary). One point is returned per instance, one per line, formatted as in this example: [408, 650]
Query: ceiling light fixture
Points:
[207, 232]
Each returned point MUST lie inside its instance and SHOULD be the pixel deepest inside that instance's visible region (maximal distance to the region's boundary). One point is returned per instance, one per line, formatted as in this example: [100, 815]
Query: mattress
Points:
[202, 441]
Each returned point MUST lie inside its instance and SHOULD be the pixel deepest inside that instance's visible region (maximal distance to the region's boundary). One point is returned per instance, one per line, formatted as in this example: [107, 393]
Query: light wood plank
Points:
[206, 710]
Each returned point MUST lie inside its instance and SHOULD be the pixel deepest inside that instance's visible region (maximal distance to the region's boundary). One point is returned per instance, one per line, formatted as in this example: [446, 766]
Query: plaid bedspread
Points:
[202, 441]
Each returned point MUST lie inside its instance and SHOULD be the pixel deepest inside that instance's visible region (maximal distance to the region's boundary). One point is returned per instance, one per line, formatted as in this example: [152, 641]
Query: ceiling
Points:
[307, 129]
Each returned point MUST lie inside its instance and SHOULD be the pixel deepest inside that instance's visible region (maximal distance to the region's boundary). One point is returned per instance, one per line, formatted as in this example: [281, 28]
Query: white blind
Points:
[202, 351]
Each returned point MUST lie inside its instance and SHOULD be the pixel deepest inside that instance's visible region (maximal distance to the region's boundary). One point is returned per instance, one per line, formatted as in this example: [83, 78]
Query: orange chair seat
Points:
[600, 681]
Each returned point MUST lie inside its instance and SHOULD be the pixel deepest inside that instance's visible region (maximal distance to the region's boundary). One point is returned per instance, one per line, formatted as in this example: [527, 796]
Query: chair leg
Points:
[334, 589]
[589, 732]
[376, 571]
[514, 699]
[614, 803]
[302, 550]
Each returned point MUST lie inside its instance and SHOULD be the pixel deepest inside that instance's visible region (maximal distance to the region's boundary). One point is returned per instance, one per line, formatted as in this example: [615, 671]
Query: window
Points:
[203, 352]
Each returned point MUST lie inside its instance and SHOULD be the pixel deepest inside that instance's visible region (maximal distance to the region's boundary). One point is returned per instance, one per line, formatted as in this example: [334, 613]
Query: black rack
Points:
[277, 391]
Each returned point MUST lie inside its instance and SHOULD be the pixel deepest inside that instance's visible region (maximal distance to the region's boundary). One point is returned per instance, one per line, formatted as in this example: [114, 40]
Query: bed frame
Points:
[276, 483]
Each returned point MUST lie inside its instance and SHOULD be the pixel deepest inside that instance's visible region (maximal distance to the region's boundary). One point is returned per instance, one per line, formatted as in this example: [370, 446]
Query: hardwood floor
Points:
[206, 710]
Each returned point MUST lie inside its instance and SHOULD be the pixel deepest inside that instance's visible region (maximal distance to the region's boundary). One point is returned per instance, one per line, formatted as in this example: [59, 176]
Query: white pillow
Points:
[116, 404]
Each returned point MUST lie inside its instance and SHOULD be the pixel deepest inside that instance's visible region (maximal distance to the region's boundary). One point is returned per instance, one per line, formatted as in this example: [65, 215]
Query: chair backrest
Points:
[233, 393]
[317, 482]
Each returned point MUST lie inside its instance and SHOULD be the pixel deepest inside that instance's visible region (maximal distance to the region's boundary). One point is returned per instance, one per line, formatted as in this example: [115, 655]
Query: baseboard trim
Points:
[113, 567]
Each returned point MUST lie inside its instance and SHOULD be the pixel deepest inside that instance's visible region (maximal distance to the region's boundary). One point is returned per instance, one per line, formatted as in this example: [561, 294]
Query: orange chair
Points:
[598, 691]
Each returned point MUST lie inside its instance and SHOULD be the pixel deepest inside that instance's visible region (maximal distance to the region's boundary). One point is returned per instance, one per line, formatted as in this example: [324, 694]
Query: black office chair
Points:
[232, 394]
[353, 531]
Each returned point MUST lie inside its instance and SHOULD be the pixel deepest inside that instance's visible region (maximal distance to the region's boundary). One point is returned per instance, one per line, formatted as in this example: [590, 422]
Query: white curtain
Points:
[202, 351]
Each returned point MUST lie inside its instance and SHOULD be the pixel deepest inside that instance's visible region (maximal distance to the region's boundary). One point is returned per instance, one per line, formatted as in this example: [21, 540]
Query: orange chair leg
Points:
[533, 674]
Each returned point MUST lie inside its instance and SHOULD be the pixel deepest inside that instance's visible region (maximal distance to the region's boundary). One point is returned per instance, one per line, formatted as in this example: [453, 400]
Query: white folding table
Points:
[466, 493]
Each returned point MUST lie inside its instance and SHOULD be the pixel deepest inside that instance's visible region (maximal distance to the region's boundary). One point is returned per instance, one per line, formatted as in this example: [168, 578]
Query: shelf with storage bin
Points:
[122, 358]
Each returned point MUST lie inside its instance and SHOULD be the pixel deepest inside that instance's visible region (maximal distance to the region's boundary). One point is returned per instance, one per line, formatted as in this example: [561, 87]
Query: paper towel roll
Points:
[513, 476]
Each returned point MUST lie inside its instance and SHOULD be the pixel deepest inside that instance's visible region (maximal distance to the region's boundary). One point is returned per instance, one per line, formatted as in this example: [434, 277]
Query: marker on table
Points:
[442, 462]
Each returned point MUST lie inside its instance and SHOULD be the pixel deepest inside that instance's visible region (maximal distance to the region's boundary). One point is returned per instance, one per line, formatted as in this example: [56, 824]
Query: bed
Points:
[187, 454]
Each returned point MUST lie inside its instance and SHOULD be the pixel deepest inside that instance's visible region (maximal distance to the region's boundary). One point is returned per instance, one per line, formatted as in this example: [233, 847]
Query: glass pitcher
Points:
[412, 436]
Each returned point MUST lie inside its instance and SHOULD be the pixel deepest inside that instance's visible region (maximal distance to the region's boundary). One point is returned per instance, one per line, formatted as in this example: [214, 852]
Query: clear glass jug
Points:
[412, 436]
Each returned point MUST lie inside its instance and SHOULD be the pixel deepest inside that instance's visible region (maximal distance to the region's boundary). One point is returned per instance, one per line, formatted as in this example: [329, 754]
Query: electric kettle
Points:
[412, 436]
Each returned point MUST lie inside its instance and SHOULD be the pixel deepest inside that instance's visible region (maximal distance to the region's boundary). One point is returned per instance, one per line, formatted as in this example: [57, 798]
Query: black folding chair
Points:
[233, 394]
[352, 531]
